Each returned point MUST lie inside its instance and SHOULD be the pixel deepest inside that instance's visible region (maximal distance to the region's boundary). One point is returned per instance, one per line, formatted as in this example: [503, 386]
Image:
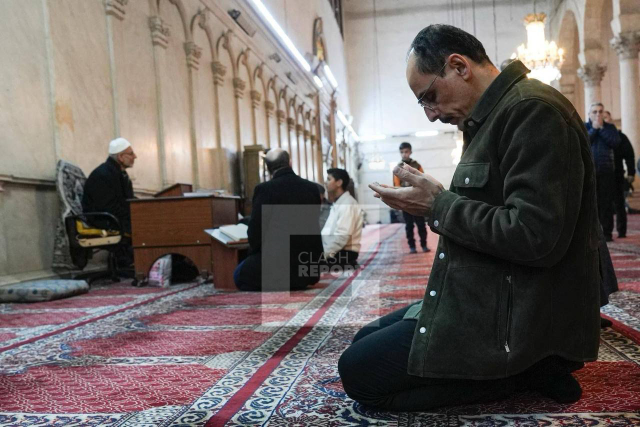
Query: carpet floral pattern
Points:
[192, 356]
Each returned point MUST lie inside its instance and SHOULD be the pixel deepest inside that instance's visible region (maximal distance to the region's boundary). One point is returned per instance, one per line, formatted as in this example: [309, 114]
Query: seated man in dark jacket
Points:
[107, 190]
[284, 231]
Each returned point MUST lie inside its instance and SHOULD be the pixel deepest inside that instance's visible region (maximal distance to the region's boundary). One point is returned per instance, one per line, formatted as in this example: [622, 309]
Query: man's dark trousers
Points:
[619, 205]
[605, 190]
[374, 372]
[409, 220]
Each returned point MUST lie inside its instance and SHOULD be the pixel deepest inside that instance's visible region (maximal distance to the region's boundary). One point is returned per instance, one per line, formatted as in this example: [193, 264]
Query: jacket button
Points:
[441, 256]
[423, 330]
[432, 293]
[436, 223]
[470, 123]
[466, 180]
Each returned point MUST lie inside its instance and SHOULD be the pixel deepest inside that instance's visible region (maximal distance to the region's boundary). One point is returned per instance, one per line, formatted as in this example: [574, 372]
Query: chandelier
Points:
[542, 57]
[376, 162]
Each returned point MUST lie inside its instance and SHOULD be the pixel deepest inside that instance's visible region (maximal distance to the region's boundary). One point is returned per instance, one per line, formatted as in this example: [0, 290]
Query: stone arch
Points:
[183, 16]
[568, 38]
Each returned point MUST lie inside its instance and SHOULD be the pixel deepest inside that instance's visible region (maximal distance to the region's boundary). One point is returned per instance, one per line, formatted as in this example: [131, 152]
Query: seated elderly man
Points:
[107, 190]
[342, 232]
[512, 302]
[284, 231]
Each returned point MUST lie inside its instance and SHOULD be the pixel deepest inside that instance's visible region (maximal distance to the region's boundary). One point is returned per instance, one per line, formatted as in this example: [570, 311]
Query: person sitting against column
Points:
[604, 140]
[342, 232]
[409, 220]
[512, 301]
[624, 153]
[108, 189]
[285, 217]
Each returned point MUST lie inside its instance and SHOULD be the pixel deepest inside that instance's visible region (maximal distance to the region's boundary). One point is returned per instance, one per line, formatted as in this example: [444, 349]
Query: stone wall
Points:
[178, 78]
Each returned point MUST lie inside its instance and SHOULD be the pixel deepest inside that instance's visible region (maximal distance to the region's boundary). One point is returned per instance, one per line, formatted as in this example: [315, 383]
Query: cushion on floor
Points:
[42, 290]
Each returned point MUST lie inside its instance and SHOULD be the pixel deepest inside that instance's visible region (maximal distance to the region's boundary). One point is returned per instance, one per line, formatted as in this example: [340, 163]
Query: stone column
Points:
[238, 90]
[256, 97]
[627, 45]
[280, 117]
[160, 34]
[591, 75]
[305, 135]
[299, 131]
[291, 124]
[219, 71]
[193, 53]
[268, 111]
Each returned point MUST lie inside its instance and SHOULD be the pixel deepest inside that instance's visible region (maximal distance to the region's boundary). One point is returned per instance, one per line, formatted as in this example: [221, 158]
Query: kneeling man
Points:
[512, 301]
[342, 232]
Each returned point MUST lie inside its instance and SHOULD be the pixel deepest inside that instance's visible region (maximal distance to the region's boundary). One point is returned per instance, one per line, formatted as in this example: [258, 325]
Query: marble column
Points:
[591, 75]
[627, 45]
[280, 117]
[219, 71]
[160, 34]
[268, 111]
[299, 131]
[256, 97]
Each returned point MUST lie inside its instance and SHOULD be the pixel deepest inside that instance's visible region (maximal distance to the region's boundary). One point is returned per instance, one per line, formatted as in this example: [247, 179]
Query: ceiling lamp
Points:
[542, 57]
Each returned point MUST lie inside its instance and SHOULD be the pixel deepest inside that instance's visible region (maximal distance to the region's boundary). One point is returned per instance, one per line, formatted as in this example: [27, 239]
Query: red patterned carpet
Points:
[124, 356]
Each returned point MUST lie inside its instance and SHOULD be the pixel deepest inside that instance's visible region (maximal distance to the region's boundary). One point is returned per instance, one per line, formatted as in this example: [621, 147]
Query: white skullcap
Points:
[118, 145]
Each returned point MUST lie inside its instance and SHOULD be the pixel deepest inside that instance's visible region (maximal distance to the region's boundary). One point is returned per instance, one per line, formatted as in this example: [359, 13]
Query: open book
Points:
[230, 234]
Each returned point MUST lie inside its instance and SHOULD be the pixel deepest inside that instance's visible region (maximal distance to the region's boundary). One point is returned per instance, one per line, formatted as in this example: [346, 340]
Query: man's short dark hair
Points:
[436, 42]
[405, 145]
[281, 161]
[342, 174]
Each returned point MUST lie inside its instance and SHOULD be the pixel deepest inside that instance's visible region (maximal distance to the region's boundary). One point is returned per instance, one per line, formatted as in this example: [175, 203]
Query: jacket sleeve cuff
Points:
[440, 209]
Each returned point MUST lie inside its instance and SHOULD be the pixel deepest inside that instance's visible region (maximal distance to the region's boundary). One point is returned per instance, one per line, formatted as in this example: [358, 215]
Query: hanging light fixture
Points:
[376, 162]
[542, 57]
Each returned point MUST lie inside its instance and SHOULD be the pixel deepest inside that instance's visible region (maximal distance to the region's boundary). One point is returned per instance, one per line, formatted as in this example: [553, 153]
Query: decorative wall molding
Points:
[194, 53]
[219, 71]
[627, 45]
[256, 97]
[269, 108]
[115, 8]
[160, 31]
[592, 74]
[239, 86]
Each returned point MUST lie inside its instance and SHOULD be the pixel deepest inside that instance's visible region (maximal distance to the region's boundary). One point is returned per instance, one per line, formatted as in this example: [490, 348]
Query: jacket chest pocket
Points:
[471, 175]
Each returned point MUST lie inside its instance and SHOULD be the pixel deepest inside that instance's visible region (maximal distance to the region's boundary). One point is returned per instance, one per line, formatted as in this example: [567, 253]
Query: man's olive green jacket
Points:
[516, 273]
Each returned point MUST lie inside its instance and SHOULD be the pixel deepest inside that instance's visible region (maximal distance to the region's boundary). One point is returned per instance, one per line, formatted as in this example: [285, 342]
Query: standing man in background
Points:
[624, 153]
[409, 220]
[604, 140]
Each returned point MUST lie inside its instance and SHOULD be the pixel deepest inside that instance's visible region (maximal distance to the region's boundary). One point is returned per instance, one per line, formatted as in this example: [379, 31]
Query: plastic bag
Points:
[160, 273]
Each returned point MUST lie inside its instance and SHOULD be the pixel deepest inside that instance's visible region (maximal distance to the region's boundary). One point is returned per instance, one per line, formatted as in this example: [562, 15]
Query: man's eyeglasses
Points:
[423, 103]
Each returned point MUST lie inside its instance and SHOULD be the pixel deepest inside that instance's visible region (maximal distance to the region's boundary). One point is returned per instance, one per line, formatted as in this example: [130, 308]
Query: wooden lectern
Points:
[166, 225]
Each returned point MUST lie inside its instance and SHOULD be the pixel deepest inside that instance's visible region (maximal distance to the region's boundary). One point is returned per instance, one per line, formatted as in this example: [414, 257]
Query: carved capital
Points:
[194, 53]
[627, 45]
[238, 87]
[313, 139]
[306, 134]
[256, 97]
[592, 74]
[116, 8]
[291, 124]
[160, 32]
[269, 107]
[299, 130]
[219, 70]
[280, 116]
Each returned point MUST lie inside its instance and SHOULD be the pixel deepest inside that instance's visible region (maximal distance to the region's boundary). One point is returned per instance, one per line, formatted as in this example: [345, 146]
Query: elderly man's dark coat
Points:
[516, 273]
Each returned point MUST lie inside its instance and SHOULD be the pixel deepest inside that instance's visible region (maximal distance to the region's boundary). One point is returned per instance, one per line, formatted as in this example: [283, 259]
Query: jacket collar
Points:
[113, 164]
[282, 172]
[514, 72]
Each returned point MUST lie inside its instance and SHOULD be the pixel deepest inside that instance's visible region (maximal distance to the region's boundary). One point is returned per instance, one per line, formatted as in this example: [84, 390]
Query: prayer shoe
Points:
[413, 251]
[425, 249]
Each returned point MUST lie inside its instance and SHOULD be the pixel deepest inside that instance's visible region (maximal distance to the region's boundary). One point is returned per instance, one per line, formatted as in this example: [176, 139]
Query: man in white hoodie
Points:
[342, 232]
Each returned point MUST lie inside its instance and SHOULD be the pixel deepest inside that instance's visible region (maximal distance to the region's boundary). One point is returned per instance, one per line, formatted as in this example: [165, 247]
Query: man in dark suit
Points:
[284, 231]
